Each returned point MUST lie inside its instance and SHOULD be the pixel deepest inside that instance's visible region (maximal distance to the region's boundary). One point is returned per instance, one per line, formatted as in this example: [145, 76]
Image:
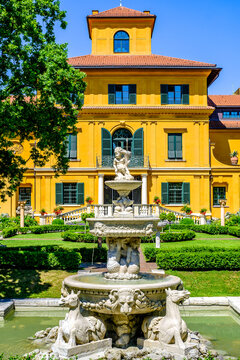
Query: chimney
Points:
[146, 12]
[95, 12]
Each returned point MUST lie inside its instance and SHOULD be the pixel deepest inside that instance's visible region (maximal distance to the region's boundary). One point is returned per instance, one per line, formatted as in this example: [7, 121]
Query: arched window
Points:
[121, 42]
[122, 138]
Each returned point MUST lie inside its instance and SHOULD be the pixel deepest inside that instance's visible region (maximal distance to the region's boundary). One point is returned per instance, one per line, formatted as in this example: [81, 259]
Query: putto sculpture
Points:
[120, 164]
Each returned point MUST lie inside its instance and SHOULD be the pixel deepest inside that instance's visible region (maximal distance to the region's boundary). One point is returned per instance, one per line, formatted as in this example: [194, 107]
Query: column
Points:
[100, 189]
[222, 203]
[144, 189]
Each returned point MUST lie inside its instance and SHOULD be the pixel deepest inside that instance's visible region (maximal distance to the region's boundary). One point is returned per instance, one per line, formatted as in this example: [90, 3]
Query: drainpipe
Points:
[210, 178]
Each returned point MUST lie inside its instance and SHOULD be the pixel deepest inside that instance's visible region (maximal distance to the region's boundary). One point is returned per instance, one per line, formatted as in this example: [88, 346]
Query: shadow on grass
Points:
[16, 283]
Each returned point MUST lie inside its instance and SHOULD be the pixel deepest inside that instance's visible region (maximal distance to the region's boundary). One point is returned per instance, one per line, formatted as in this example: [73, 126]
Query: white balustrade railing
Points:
[106, 210]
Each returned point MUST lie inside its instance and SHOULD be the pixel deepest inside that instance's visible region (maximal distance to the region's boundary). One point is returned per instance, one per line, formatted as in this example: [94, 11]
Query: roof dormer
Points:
[121, 30]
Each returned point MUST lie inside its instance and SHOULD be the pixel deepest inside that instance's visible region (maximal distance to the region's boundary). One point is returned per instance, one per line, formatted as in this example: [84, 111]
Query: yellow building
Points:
[156, 107]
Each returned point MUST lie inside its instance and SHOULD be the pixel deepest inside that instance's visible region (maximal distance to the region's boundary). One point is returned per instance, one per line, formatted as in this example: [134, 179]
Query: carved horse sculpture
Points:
[77, 329]
[170, 329]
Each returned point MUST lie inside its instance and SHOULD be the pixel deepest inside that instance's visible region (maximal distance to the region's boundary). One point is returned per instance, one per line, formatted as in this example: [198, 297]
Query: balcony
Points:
[141, 161]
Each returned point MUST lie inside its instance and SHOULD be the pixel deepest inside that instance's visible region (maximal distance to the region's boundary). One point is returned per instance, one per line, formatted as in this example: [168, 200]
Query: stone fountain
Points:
[122, 307]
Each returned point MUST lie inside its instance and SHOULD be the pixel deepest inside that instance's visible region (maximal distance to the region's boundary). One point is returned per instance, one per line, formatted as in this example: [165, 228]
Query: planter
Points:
[234, 160]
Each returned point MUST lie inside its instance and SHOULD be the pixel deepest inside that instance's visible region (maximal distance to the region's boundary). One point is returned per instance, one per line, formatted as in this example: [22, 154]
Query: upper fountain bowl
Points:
[123, 187]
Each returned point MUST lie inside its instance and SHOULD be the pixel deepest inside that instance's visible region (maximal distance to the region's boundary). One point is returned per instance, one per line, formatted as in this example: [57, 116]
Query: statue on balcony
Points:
[120, 163]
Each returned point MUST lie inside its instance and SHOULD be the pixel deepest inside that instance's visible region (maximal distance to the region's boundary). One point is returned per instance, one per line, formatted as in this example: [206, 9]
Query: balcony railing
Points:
[141, 161]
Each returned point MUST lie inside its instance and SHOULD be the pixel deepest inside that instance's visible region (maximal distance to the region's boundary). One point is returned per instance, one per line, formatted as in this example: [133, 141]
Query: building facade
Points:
[155, 106]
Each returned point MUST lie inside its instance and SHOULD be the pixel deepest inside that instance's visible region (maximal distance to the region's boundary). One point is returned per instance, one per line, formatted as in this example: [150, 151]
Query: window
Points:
[175, 146]
[70, 193]
[71, 145]
[174, 94]
[25, 195]
[219, 192]
[230, 114]
[121, 42]
[175, 193]
[122, 94]
[122, 138]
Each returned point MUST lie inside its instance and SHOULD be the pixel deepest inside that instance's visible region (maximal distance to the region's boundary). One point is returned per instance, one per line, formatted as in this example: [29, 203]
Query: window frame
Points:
[219, 197]
[20, 196]
[185, 94]
[175, 146]
[68, 147]
[121, 41]
[185, 193]
[132, 94]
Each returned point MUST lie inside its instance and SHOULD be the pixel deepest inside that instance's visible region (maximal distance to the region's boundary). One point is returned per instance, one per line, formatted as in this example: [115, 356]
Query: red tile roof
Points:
[121, 11]
[224, 124]
[133, 61]
[223, 100]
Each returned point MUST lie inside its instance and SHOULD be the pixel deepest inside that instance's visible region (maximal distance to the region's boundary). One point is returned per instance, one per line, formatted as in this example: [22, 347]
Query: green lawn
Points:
[56, 235]
[44, 242]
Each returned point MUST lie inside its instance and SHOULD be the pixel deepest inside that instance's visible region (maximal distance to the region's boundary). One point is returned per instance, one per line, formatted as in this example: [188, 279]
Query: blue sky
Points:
[205, 30]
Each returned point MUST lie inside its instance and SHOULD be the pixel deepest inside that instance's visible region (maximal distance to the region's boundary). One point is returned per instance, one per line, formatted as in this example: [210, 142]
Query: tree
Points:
[34, 77]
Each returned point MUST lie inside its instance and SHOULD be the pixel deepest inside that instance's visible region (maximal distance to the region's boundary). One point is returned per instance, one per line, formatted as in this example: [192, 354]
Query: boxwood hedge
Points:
[177, 236]
[11, 231]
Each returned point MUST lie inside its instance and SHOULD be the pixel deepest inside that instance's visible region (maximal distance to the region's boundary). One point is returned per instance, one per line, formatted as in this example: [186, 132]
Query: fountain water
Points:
[122, 304]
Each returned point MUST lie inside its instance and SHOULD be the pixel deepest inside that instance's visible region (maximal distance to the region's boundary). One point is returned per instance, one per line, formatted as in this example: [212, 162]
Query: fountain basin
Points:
[106, 296]
[123, 226]
[123, 187]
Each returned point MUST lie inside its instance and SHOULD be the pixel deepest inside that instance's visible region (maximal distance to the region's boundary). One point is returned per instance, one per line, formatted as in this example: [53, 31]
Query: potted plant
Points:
[58, 210]
[156, 200]
[186, 209]
[203, 211]
[234, 157]
[43, 212]
[89, 200]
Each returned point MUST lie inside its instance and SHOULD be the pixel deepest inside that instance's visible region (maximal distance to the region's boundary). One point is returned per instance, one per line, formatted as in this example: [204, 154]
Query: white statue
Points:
[77, 329]
[120, 163]
[170, 329]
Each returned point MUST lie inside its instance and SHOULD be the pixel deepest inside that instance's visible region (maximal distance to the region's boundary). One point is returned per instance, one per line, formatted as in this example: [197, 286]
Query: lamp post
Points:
[222, 203]
[22, 204]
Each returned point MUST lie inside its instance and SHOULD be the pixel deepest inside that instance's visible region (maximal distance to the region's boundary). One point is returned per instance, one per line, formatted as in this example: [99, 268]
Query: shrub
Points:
[234, 230]
[180, 227]
[79, 237]
[93, 254]
[171, 217]
[233, 220]
[210, 229]
[58, 222]
[150, 253]
[9, 232]
[42, 229]
[29, 221]
[177, 236]
[186, 221]
[163, 216]
[86, 215]
[199, 260]
[40, 257]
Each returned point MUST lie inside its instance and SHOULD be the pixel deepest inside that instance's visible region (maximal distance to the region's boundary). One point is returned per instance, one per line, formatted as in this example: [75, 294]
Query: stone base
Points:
[81, 351]
[171, 348]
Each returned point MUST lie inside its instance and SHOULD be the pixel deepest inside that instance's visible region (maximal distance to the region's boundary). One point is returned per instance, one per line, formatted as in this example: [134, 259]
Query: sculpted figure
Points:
[120, 163]
[170, 329]
[77, 329]
[134, 263]
[114, 254]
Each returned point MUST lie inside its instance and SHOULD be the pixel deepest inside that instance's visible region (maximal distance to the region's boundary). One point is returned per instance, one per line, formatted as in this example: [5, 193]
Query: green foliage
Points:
[186, 209]
[163, 216]
[233, 220]
[171, 217]
[234, 230]
[58, 222]
[210, 229]
[78, 237]
[188, 259]
[86, 215]
[39, 258]
[9, 231]
[150, 253]
[15, 221]
[93, 254]
[186, 221]
[29, 221]
[177, 236]
[32, 63]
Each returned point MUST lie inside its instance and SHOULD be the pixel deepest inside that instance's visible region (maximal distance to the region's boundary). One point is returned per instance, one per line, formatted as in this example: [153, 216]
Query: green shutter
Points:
[132, 94]
[178, 146]
[59, 193]
[164, 94]
[164, 193]
[171, 146]
[185, 94]
[111, 94]
[67, 144]
[106, 143]
[137, 144]
[73, 146]
[80, 193]
[186, 193]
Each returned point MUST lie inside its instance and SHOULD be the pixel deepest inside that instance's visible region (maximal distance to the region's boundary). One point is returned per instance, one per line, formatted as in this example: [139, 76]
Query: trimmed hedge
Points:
[208, 229]
[199, 260]
[234, 230]
[40, 258]
[177, 236]
[11, 231]
[79, 237]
